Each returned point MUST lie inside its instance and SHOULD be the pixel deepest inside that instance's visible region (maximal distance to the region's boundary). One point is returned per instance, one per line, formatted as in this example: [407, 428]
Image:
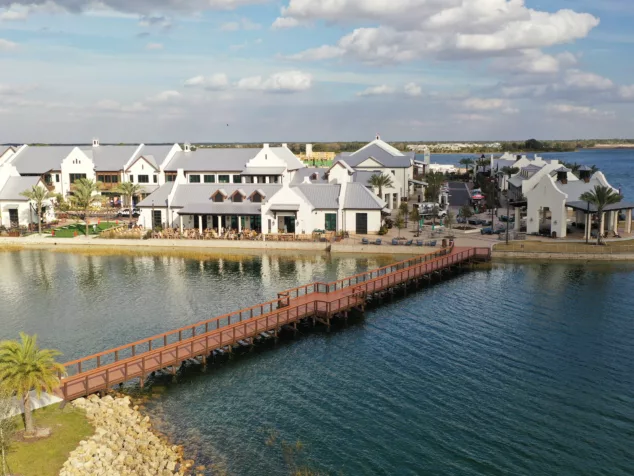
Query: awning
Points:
[417, 182]
[263, 171]
[589, 207]
[216, 208]
[284, 208]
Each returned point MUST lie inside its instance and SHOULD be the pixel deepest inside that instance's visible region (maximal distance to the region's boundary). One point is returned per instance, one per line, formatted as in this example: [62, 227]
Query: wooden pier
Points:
[317, 301]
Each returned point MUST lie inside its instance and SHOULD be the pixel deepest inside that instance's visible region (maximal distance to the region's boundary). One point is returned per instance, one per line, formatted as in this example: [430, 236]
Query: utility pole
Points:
[508, 216]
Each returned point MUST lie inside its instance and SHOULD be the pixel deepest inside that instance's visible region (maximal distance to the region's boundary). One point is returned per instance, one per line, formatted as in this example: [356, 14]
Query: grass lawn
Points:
[46, 457]
[67, 231]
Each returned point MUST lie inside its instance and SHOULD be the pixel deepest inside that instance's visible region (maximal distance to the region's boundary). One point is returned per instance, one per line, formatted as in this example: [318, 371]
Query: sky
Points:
[315, 70]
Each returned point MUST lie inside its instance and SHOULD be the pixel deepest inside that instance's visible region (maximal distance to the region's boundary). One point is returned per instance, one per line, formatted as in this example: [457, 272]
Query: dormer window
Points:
[238, 196]
[258, 196]
[314, 176]
[219, 196]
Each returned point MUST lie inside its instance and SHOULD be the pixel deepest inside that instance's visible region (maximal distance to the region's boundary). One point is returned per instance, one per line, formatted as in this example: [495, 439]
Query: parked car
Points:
[492, 231]
[125, 212]
[475, 221]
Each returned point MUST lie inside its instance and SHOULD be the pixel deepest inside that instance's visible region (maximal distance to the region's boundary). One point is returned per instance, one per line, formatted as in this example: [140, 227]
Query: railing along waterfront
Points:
[183, 334]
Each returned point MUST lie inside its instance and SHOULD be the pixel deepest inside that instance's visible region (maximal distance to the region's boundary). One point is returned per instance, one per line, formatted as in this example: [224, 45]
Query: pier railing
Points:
[166, 339]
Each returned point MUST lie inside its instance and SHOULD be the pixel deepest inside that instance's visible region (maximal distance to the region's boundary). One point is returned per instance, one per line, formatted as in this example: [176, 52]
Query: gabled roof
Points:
[576, 188]
[379, 154]
[212, 160]
[585, 168]
[15, 186]
[358, 197]
[40, 159]
[301, 174]
[154, 154]
[110, 158]
[202, 192]
[292, 162]
[263, 171]
[320, 196]
[363, 176]
[159, 197]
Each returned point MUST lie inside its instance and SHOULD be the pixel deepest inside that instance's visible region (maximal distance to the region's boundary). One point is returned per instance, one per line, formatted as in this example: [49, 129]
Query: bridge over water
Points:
[317, 301]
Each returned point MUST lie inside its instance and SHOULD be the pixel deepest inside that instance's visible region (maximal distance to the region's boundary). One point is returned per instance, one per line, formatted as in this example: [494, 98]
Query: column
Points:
[588, 226]
[219, 225]
[200, 224]
[518, 219]
[628, 221]
[181, 222]
[602, 224]
[239, 224]
[616, 221]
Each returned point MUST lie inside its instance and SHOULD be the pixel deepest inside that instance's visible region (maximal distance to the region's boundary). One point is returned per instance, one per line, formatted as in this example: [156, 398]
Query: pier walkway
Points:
[317, 301]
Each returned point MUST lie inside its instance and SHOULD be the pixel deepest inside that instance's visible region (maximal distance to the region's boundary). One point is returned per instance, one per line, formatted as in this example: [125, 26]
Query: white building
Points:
[267, 190]
[15, 209]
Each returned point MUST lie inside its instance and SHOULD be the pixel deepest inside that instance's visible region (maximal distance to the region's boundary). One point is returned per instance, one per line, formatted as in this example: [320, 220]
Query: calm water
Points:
[522, 369]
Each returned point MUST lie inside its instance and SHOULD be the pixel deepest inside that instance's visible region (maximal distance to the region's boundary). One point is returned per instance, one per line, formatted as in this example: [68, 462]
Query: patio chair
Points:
[419, 242]
[364, 241]
[394, 242]
[409, 243]
[378, 241]
[432, 243]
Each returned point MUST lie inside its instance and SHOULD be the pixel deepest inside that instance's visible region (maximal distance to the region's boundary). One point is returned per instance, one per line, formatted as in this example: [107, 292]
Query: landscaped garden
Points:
[77, 229]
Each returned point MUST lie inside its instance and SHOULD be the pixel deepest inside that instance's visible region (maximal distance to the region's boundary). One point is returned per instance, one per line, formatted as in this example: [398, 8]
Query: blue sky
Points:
[311, 70]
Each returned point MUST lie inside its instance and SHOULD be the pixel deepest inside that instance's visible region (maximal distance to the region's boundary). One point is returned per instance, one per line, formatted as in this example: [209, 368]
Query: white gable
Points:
[385, 146]
[370, 163]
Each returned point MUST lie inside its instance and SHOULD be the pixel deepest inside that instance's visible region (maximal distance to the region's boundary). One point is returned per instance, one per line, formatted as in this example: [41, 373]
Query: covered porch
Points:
[221, 220]
[586, 214]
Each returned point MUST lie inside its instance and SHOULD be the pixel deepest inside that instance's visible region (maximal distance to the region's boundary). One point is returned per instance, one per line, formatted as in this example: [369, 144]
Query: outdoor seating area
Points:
[206, 234]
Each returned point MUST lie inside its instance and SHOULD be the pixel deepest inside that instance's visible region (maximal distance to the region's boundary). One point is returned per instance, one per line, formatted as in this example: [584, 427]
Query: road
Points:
[458, 194]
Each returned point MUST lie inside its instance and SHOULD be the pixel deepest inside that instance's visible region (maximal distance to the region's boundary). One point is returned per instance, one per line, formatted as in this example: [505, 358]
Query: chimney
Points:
[309, 151]
[265, 146]
[187, 147]
[585, 176]
[562, 177]
[285, 145]
[95, 142]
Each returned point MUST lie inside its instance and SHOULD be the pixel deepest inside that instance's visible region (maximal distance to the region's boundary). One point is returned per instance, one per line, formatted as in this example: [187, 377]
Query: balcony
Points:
[50, 186]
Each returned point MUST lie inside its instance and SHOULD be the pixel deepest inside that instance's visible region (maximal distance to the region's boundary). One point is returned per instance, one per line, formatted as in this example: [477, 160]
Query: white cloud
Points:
[6, 45]
[243, 24]
[413, 89]
[377, 91]
[154, 46]
[412, 29]
[284, 22]
[480, 104]
[626, 92]
[579, 111]
[166, 96]
[15, 13]
[534, 61]
[286, 81]
[582, 80]
[316, 54]
[216, 82]
[108, 105]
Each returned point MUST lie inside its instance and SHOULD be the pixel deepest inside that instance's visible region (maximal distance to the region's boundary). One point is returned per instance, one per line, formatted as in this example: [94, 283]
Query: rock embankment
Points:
[123, 443]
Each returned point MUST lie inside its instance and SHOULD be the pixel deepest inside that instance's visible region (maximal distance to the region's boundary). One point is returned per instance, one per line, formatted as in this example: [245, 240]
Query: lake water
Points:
[522, 369]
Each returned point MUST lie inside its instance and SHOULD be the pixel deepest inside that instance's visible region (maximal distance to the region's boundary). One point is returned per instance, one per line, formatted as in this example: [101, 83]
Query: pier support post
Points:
[204, 364]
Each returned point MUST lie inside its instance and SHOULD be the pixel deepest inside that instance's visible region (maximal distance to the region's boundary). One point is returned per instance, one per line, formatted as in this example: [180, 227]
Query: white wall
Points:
[141, 167]
[546, 195]
[24, 215]
[76, 163]
[286, 196]
[350, 220]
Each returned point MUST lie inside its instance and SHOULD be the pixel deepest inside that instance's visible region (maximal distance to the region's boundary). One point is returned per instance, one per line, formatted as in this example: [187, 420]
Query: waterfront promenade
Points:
[317, 301]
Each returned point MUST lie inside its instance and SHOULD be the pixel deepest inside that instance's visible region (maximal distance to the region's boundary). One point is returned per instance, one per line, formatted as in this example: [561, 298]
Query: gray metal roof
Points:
[574, 189]
[532, 168]
[110, 158]
[15, 186]
[585, 168]
[562, 170]
[587, 206]
[363, 176]
[301, 174]
[263, 171]
[212, 159]
[280, 207]
[154, 154]
[202, 192]
[292, 162]
[380, 155]
[358, 197]
[215, 208]
[320, 196]
[40, 159]
[159, 196]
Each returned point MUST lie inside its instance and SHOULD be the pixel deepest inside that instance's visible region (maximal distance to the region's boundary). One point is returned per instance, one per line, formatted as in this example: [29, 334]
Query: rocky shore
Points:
[123, 443]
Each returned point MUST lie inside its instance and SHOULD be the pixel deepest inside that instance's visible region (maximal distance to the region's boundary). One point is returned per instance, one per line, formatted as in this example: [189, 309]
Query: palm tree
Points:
[380, 181]
[468, 164]
[601, 197]
[37, 195]
[509, 171]
[84, 196]
[434, 180]
[129, 190]
[25, 367]
[482, 162]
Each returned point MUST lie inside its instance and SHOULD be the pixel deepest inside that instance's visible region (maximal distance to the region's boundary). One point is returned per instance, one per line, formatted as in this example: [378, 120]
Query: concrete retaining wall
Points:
[563, 256]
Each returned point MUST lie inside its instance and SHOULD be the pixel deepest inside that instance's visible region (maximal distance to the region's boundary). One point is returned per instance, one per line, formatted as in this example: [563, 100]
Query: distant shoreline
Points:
[611, 146]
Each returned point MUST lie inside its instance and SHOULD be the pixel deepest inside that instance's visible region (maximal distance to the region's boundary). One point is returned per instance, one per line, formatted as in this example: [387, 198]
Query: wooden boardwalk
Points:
[319, 301]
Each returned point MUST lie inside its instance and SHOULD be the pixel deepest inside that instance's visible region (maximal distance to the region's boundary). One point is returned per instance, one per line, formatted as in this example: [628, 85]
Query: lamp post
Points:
[152, 222]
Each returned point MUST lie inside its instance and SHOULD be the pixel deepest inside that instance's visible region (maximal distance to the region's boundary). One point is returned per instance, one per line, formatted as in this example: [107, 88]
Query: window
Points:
[331, 222]
[256, 198]
[218, 197]
[194, 179]
[170, 178]
[144, 179]
[237, 179]
[155, 178]
[47, 178]
[210, 179]
[274, 179]
[131, 178]
[75, 177]
[156, 219]
[223, 179]
[115, 178]
[57, 178]
[393, 173]
[237, 197]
